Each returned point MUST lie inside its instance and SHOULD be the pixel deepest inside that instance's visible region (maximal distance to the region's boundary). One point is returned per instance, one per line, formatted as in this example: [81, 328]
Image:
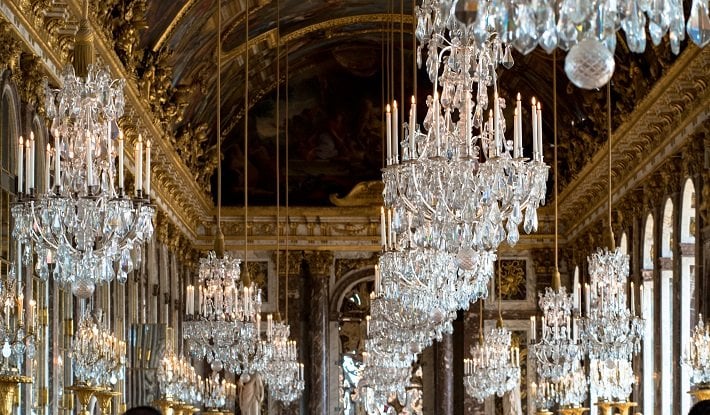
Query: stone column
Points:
[445, 376]
[316, 269]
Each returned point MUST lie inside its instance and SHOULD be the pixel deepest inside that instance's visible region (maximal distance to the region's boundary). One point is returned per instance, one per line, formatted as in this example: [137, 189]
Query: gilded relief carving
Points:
[513, 279]
[10, 47]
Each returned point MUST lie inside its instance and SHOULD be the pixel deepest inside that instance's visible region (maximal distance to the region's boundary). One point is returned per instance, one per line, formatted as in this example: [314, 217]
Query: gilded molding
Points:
[650, 135]
[320, 262]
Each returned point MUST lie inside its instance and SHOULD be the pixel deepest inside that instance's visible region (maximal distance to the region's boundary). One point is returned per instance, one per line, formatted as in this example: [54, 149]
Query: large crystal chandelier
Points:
[587, 29]
[223, 317]
[697, 355]
[569, 391]
[84, 220]
[178, 381]
[17, 333]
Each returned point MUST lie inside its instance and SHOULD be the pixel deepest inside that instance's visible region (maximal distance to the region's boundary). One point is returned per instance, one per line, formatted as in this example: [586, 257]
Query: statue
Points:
[251, 393]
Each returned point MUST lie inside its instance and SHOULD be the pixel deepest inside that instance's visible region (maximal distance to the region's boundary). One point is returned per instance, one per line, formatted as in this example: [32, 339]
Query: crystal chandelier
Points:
[85, 220]
[223, 317]
[457, 191]
[587, 29]
[610, 330]
[16, 333]
[569, 391]
[697, 355]
[282, 373]
[558, 351]
[219, 395]
[494, 366]
[98, 357]
[180, 387]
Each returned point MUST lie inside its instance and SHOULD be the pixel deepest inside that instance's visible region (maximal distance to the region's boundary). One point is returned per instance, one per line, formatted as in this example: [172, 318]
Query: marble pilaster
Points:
[445, 376]
[316, 269]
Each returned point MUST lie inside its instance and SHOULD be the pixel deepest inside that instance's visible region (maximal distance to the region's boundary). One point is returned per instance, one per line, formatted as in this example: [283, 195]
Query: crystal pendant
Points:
[699, 23]
[589, 64]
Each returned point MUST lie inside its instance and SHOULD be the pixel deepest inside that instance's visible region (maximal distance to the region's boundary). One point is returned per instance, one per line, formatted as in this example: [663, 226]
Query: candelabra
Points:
[181, 389]
[569, 392]
[84, 224]
[494, 366]
[697, 359]
[587, 29]
[224, 323]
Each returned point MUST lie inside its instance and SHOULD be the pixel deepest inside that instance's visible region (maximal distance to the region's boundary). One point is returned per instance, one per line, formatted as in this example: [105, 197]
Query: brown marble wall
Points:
[316, 270]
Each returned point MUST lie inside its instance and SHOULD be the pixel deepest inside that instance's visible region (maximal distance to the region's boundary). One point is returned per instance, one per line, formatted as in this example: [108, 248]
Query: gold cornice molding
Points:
[654, 131]
[324, 228]
[35, 39]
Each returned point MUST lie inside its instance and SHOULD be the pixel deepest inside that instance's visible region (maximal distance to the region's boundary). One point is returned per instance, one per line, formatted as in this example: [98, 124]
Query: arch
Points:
[667, 230]
[687, 217]
[345, 284]
[624, 243]
[648, 245]
[9, 123]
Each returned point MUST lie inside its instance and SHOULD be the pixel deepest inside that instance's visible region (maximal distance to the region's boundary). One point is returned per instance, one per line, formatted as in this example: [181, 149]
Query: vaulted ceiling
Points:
[328, 60]
[332, 53]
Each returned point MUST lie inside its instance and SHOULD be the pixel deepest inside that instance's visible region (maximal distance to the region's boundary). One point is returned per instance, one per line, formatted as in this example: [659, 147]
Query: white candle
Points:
[388, 127]
[28, 167]
[258, 324]
[633, 300]
[436, 122]
[496, 124]
[532, 327]
[89, 161]
[139, 164]
[383, 226]
[377, 279]
[642, 301]
[534, 121]
[147, 170]
[32, 160]
[20, 159]
[412, 128]
[539, 131]
[516, 153]
[47, 164]
[367, 325]
[519, 126]
[395, 133]
[390, 233]
[575, 287]
[120, 159]
[57, 160]
[587, 297]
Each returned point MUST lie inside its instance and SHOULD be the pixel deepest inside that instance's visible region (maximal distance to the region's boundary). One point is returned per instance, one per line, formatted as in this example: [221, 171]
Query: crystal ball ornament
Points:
[589, 64]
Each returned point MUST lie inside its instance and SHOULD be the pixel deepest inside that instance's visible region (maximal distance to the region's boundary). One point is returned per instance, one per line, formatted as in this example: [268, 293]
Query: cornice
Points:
[325, 228]
[661, 124]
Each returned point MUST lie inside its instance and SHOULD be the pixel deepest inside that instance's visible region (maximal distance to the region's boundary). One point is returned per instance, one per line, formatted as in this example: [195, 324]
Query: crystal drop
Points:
[698, 26]
[83, 288]
[589, 64]
[508, 57]
[513, 234]
[125, 263]
[6, 350]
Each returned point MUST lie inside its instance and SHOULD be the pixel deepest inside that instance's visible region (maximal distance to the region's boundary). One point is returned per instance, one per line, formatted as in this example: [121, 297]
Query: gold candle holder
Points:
[9, 385]
[702, 393]
[604, 407]
[624, 407]
[543, 412]
[165, 405]
[105, 398]
[572, 411]
[84, 393]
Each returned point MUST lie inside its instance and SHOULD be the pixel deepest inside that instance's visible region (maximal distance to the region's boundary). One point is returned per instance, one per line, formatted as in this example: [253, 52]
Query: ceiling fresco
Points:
[334, 50]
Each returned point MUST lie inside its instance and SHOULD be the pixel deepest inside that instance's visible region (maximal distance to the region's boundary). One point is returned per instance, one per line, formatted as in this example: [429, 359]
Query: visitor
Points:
[700, 408]
[142, 410]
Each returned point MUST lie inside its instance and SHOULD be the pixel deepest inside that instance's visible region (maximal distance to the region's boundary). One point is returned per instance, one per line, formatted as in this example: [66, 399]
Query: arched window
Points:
[687, 282]
[649, 387]
[9, 126]
[624, 244]
[666, 314]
